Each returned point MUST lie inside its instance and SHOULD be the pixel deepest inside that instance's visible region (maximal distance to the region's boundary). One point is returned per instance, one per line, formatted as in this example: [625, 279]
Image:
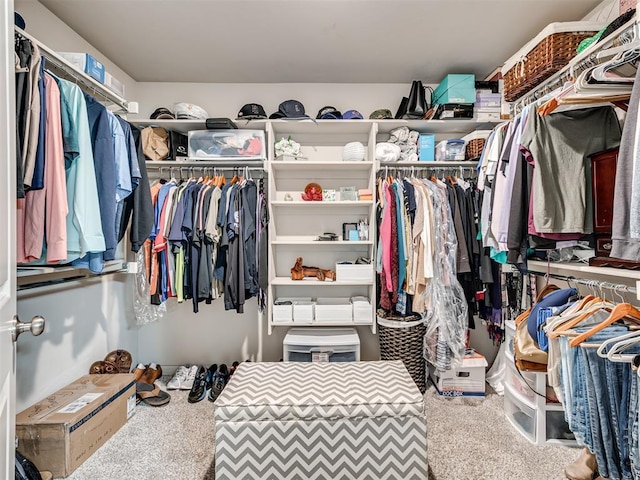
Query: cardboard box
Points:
[59, 433]
[86, 63]
[427, 147]
[455, 88]
[466, 381]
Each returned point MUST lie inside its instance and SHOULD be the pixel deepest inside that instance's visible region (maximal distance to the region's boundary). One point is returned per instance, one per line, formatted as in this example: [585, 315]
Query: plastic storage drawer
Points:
[520, 415]
[557, 427]
[509, 334]
[526, 384]
[321, 345]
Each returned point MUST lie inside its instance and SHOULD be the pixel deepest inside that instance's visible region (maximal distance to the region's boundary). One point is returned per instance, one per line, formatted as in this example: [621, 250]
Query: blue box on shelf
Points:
[87, 63]
[426, 147]
[455, 88]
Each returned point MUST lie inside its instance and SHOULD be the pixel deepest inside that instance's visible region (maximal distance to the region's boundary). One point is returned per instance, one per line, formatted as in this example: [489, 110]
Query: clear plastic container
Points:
[449, 150]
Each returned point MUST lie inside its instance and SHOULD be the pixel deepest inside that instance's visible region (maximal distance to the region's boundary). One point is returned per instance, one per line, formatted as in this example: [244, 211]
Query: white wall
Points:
[226, 99]
[84, 321]
[54, 33]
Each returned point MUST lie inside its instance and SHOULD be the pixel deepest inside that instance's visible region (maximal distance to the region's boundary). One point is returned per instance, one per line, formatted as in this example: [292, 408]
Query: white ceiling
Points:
[316, 41]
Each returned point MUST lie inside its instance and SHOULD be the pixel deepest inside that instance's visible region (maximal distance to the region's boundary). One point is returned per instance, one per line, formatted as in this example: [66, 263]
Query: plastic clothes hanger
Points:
[621, 343]
[622, 310]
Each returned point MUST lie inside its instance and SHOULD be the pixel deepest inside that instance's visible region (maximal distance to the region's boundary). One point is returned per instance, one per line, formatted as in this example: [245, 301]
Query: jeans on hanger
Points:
[599, 382]
[634, 452]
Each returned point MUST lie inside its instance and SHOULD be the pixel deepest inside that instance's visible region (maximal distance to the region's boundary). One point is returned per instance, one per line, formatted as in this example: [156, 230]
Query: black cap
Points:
[19, 21]
[162, 113]
[290, 109]
[326, 113]
[251, 111]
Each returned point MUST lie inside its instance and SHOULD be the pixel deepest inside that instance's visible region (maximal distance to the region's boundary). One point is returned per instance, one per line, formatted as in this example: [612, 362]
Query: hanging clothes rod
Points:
[70, 72]
[627, 34]
[158, 171]
[615, 287]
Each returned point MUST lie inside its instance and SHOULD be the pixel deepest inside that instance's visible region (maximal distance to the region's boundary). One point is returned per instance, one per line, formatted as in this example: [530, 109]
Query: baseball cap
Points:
[328, 113]
[381, 114]
[352, 115]
[162, 113]
[19, 21]
[251, 111]
[290, 109]
[186, 111]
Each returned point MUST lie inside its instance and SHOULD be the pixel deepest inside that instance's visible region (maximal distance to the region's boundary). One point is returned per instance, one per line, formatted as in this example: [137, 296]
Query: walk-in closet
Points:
[279, 239]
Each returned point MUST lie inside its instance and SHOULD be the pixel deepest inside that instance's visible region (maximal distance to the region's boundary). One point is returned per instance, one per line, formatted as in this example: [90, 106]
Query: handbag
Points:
[528, 357]
[417, 105]
[220, 124]
[402, 108]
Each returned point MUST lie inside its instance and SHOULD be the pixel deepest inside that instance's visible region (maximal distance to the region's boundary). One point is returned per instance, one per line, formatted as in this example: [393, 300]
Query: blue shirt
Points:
[84, 228]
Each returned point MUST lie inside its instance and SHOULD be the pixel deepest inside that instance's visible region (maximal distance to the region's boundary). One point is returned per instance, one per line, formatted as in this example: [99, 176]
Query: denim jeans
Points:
[634, 453]
[599, 407]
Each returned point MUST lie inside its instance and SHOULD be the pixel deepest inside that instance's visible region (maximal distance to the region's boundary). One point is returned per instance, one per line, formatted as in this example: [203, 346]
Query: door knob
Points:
[35, 326]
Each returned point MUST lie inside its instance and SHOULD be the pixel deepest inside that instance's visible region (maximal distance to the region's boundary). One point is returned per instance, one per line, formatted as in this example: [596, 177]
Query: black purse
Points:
[178, 145]
[220, 124]
[417, 105]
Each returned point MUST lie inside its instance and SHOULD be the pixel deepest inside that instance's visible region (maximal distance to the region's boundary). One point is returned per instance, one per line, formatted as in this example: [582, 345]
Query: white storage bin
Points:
[303, 310]
[351, 272]
[321, 345]
[333, 310]
[362, 312]
[282, 310]
[520, 415]
[113, 84]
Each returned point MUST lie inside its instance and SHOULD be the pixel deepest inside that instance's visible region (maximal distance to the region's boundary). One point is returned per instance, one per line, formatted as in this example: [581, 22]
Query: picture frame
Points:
[347, 228]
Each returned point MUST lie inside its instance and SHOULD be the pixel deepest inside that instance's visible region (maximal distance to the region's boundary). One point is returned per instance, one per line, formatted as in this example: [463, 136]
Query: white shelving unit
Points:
[526, 408]
[296, 224]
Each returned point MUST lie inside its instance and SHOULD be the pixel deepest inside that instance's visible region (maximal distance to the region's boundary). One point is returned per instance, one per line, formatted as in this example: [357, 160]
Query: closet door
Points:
[7, 244]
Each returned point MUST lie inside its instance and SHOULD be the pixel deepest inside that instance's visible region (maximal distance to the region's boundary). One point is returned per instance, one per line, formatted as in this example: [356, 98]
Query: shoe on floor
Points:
[200, 385]
[191, 376]
[151, 374]
[139, 371]
[152, 394]
[179, 378]
[584, 468]
[218, 382]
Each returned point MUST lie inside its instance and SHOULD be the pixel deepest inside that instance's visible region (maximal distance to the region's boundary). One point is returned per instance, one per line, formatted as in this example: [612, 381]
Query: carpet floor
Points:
[468, 439]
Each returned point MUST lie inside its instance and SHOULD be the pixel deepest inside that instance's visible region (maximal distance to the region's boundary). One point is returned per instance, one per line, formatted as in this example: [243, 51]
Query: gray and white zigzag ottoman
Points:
[361, 420]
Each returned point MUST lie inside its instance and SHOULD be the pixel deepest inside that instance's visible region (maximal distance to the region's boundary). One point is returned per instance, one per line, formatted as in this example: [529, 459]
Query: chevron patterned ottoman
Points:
[324, 421]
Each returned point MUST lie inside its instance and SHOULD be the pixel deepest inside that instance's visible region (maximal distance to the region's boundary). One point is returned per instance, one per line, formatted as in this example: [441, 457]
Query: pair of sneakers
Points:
[209, 382]
[183, 378]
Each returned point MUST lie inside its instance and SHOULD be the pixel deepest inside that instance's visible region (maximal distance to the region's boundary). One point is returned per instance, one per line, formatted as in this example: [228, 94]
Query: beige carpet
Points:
[469, 439]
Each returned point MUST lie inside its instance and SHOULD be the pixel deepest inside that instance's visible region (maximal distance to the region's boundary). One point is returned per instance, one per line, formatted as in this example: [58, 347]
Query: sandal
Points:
[102, 367]
[152, 395]
[121, 359]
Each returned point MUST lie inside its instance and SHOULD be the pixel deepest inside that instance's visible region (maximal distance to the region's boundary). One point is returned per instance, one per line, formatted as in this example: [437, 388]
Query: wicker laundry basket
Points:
[551, 50]
[474, 148]
[402, 338]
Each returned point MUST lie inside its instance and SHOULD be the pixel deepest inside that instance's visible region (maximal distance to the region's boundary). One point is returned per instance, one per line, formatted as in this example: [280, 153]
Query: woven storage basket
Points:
[543, 56]
[474, 148]
[402, 338]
